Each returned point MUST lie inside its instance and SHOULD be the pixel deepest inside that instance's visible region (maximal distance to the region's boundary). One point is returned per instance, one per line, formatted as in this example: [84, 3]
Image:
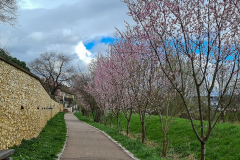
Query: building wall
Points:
[24, 105]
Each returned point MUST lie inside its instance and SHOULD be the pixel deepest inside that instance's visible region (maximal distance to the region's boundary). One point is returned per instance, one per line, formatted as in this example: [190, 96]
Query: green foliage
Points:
[53, 97]
[232, 116]
[14, 60]
[47, 145]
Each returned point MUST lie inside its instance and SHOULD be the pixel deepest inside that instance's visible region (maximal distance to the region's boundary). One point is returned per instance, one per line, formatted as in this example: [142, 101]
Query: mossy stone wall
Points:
[25, 106]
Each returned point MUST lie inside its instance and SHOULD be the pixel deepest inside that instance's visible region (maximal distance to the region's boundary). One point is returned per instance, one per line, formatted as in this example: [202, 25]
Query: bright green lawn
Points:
[47, 145]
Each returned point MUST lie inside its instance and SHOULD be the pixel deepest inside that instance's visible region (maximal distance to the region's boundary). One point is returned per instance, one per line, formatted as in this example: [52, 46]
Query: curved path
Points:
[87, 143]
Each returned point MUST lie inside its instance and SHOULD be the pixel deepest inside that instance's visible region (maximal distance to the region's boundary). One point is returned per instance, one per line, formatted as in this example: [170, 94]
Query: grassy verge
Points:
[222, 144]
[183, 144]
[139, 150]
[48, 143]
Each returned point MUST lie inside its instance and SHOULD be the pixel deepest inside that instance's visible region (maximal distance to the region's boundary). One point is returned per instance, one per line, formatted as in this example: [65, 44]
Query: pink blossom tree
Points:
[84, 89]
[139, 74]
[125, 64]
[163, 99]
[107, 82]
[200, 34]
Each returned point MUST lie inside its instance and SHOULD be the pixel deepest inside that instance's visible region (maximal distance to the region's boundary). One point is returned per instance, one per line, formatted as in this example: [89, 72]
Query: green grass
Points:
[47, 145]
[222, 144]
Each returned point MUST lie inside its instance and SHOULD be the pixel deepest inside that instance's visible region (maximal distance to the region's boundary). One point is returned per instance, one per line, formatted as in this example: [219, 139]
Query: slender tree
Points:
[206, 35]
[140, 71]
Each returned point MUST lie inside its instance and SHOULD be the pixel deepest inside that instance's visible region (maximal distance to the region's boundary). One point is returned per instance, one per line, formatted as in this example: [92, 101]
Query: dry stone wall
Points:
[25, 106]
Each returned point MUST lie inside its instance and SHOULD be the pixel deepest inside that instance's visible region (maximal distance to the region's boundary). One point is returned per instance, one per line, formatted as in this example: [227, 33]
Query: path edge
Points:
[123, 148]
[65, 143]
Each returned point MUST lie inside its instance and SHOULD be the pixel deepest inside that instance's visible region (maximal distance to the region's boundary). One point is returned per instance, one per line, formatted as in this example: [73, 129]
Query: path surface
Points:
[87, 143]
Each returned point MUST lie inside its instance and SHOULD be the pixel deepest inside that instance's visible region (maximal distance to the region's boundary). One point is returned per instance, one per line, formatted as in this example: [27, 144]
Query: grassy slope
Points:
[222, 144]
[48, 143]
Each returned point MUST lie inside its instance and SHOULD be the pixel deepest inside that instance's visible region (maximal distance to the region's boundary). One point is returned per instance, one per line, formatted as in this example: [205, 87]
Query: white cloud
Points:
[66, 32]
[30, 4]
[36, 36]
[83, 53]
[59, 25]
[61, 48]
[7, 39]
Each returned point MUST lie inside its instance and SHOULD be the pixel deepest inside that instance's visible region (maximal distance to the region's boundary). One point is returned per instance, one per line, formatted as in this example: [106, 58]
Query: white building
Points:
[214, 101]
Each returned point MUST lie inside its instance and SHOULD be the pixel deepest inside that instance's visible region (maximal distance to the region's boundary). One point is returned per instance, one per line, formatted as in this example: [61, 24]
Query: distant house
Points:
[214, 102]
[67, 99]
[62, 95]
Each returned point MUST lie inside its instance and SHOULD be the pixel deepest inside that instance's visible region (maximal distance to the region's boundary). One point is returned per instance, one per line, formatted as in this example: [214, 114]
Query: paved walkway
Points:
[87, 143]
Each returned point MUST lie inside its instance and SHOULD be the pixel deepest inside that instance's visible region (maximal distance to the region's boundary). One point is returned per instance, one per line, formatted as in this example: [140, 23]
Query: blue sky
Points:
[105, 40]
[80, 28]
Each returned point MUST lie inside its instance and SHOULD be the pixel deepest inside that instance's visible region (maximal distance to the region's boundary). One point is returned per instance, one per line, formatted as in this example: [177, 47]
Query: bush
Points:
[6, 56]
[232, 115]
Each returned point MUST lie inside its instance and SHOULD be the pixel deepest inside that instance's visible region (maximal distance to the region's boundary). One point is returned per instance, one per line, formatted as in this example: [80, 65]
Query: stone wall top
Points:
[20, 68]
[24, 70]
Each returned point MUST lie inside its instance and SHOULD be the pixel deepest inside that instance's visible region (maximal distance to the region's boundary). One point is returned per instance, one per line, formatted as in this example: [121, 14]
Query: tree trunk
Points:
[143, 132]
[222, 117]
[100, 119]
[165, 145]
[111, 122]
[128, 122]
[118, 123]
[97, 117]
[105, 120]
[93, 114]
[203, 150]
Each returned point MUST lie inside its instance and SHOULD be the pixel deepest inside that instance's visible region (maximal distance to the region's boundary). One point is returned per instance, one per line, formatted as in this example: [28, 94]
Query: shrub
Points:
[7, 56]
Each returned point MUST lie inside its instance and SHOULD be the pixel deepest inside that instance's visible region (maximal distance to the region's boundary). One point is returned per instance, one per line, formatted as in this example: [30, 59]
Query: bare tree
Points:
[54, 70]
[8, 11]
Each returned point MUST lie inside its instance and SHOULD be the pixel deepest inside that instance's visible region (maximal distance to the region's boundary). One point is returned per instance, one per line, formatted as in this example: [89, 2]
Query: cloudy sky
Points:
[81, 28]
